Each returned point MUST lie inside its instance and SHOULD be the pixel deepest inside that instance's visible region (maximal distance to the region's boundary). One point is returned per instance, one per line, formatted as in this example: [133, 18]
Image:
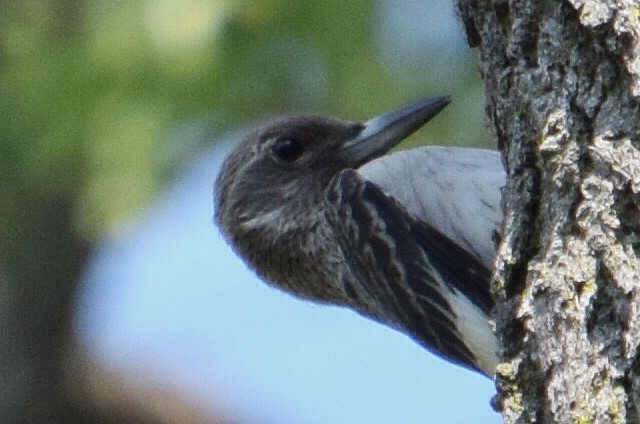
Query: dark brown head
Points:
[270, 192]
[280, 167]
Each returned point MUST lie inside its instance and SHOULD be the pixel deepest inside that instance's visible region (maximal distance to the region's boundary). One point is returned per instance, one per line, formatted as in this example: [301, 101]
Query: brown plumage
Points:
[299, 202]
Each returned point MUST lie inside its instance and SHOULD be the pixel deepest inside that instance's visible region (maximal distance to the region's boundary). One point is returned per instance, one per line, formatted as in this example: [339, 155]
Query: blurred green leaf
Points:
[91, 91]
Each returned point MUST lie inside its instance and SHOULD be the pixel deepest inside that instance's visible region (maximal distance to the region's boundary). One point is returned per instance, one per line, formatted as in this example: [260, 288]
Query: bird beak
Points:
[382, 133]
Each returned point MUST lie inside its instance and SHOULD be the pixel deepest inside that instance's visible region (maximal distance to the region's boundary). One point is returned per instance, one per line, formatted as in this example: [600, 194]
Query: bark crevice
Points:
[562, 87]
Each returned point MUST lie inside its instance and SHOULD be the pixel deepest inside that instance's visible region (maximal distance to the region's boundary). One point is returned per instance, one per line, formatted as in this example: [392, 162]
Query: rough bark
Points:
[562, 85]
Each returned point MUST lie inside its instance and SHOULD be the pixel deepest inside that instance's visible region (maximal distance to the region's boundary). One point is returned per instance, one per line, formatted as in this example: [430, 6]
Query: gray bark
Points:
[562, 87]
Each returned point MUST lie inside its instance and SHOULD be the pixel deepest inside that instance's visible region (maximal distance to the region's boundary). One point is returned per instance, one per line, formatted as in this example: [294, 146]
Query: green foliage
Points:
[90, 92]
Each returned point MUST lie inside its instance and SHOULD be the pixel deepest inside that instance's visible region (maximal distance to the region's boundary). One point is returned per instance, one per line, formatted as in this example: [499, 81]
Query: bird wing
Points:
[409, 275]
[456, 190]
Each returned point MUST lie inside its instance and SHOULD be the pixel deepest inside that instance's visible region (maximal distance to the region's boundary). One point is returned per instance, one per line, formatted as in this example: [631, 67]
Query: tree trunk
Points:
[562, 85]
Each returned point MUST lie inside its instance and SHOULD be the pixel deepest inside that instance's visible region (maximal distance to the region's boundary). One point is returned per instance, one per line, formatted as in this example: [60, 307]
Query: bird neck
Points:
[299, 256]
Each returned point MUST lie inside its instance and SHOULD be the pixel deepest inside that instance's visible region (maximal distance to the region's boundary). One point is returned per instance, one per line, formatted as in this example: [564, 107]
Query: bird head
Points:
[269, 193]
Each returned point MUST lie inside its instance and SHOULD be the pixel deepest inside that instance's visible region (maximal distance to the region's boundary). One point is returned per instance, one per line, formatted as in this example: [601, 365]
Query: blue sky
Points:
[168, 294]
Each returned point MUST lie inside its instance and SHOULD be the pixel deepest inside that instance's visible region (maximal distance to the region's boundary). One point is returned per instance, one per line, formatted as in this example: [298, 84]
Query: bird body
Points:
[457, 191]
[316, 208]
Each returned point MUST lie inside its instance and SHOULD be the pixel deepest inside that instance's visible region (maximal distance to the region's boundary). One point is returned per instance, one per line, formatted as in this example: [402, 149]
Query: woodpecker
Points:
[317, 207]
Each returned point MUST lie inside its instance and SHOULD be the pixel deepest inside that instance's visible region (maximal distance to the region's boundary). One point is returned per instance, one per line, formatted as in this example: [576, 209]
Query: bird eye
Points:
[287, 149]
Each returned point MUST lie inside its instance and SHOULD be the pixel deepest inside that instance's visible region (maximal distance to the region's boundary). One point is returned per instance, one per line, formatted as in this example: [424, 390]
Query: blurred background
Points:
[119, 302]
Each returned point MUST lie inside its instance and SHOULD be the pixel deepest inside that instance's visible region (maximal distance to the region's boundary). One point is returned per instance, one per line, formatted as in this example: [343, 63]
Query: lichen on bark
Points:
[562, 87]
